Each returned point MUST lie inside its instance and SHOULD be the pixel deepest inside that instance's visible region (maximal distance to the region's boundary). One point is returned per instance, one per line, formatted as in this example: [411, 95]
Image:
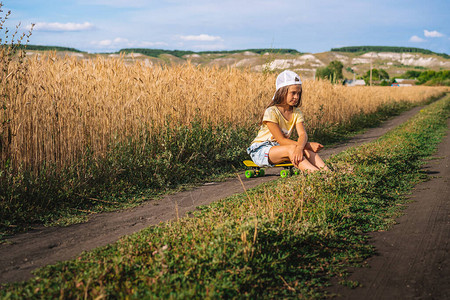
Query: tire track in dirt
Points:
[412, 260]
[25, 252]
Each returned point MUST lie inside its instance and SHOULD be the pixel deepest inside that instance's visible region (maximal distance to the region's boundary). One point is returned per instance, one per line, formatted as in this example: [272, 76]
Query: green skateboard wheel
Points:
[261, 173]
[284, 173]
[249, 173]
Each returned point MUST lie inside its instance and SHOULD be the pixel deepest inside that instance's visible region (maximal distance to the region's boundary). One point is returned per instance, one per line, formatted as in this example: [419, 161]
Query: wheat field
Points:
[60, 107]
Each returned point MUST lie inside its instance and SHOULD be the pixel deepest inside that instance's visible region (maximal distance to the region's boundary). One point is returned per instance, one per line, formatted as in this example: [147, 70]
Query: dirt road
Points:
[413, 260]
[25, 252]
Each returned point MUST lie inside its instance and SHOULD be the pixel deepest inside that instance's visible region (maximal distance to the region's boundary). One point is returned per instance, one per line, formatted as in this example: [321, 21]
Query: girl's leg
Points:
[279, 154]
[315, 159]
[306, 165]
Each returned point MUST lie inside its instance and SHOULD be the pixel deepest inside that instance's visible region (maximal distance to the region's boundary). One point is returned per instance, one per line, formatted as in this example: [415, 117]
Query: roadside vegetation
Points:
[79, 137]
[286, 238]
[429, 77]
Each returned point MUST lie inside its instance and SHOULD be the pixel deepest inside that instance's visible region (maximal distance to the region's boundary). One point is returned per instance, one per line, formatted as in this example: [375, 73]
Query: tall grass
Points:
[65, 107]
[74, 131]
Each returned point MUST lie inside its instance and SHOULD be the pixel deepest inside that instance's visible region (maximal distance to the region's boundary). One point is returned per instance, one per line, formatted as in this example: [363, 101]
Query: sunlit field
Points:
[63, 107]
[284, 239]
[155, 137]
[85, 136]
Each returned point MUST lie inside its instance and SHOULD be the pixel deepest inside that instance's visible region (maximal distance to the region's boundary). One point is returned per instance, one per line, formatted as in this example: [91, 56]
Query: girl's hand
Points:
[314, 147]
[297, 156]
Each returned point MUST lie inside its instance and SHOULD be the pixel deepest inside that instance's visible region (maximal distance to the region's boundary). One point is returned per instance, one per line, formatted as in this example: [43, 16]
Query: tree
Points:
[411, 74]
[377, 74]
[332, 72]
[383, 74]
[431, 77]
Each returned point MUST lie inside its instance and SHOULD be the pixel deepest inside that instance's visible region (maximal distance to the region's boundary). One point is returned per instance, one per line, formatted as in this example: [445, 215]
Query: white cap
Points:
[287, 78]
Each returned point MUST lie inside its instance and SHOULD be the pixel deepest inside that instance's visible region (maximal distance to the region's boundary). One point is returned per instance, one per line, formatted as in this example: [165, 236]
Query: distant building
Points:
[353, 82]
[404, 82]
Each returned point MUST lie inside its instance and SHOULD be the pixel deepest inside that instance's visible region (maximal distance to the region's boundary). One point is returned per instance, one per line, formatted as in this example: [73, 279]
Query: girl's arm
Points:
[282, 140]
[302, 136]
[314, 147]
[297, 156]
[275, 130]
[301, 143]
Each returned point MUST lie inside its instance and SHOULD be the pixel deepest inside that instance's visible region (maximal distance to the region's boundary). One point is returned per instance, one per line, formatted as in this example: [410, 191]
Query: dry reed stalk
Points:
[65, 106]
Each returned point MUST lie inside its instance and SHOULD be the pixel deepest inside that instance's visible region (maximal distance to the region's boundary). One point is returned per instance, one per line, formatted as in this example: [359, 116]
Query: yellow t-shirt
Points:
[273, 114]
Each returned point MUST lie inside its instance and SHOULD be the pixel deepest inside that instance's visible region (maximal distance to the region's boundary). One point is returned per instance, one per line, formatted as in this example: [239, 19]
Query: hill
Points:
[48, 48]
[356, 60]
[365, 49]
[181, 53]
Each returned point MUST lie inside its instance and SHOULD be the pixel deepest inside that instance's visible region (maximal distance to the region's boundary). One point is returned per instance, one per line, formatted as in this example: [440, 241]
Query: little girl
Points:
[272, 144]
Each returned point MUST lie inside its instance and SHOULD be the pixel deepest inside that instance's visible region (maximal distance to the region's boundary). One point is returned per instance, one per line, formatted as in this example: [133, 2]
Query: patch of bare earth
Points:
[413, 259]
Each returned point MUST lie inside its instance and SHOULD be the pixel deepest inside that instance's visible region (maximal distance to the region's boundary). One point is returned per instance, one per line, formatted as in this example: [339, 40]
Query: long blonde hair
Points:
[280, 96]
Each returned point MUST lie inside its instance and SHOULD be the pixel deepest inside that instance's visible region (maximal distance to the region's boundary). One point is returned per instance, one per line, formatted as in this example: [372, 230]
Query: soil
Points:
[25, 252]
[413, 259]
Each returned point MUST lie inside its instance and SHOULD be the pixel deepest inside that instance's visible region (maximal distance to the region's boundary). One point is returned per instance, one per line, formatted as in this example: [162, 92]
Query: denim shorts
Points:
[259, 152]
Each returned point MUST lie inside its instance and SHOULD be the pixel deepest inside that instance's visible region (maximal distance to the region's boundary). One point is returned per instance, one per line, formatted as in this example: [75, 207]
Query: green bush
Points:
[429, 77]
[377, 75]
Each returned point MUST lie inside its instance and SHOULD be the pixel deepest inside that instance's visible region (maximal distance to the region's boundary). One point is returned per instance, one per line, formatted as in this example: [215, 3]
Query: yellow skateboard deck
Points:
[257, 171]
[251, 164]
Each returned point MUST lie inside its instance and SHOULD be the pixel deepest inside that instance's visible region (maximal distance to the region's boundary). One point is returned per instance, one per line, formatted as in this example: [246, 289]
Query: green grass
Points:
[129, 174]
[284, 239]
[330, 134]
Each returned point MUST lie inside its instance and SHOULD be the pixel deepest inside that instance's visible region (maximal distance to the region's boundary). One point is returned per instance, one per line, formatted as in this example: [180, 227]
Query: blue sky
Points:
[308, 26]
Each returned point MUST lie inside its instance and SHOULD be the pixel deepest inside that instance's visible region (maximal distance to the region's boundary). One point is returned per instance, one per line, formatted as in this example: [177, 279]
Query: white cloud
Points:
[115, 3]
[122, 42]
[201, 38]
[212, 47]
[416, 39]
[152, 44]
[103, 43]
[44, 26]
[432, 33]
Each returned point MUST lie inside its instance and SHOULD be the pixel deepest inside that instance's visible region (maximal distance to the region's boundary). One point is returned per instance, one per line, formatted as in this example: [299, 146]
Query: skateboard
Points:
[256, 171]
